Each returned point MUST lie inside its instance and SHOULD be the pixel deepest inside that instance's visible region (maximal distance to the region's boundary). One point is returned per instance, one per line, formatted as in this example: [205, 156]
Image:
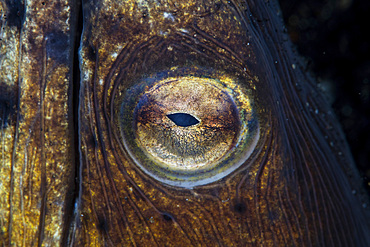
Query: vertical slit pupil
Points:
[183, 119]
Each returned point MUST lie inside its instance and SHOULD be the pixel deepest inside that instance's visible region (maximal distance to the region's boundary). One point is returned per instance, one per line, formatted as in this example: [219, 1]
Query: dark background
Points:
[333, 36]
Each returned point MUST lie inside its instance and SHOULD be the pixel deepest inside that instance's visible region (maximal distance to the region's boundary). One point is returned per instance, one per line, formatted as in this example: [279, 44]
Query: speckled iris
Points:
[223, 131]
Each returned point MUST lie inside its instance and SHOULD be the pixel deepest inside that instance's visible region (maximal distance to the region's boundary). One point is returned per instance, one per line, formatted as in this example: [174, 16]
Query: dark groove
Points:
[76, 90]
[73, 195]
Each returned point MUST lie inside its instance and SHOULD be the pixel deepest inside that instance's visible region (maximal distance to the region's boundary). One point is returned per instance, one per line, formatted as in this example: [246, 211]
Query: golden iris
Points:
[186, 130]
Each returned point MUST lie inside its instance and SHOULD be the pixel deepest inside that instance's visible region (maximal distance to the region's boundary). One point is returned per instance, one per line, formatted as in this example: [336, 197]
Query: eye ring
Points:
[224, 137]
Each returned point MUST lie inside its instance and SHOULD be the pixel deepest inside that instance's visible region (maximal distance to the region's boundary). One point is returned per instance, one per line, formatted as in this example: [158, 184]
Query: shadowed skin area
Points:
[67, 178]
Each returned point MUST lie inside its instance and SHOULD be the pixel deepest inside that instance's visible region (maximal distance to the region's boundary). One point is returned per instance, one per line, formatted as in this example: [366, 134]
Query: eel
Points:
[167, 123]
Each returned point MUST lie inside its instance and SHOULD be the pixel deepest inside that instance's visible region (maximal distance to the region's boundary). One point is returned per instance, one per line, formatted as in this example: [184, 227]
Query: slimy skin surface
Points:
[169, 123]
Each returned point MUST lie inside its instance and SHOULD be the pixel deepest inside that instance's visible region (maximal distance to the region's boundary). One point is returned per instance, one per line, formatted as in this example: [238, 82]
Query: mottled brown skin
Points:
[295, 189]
[37, 148]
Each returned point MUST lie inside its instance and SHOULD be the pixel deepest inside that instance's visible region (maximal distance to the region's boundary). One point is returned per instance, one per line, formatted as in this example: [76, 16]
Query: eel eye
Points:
[186, 130]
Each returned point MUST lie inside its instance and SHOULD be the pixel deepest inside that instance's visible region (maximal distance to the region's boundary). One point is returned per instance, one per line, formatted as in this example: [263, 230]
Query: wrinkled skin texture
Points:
[66, 178]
